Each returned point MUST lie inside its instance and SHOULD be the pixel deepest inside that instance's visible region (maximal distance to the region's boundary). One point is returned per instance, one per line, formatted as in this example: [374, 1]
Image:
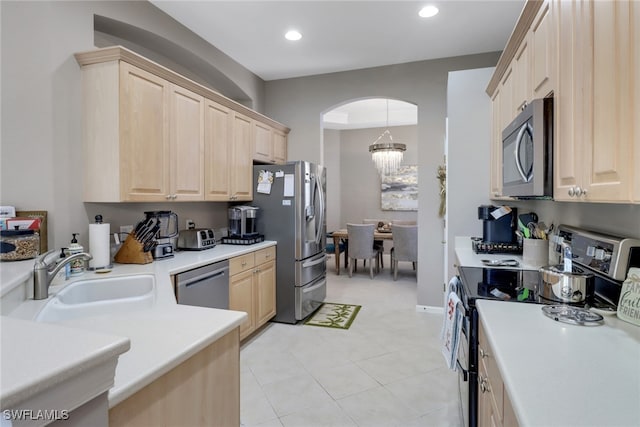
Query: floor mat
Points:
[331, 315]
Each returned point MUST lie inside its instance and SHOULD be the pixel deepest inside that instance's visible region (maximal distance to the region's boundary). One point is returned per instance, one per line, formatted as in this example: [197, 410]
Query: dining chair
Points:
[405, 246]
[379, 244]
[361, 246]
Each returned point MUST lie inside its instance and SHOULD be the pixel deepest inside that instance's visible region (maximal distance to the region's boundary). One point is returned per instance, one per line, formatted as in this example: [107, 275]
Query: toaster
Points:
[196, 239]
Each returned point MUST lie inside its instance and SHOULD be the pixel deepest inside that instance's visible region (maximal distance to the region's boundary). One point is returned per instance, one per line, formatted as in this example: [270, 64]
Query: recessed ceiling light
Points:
[293, 35]
[428, 11]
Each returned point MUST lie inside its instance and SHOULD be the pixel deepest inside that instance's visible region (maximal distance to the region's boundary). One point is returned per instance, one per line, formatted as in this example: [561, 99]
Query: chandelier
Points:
[386, 154]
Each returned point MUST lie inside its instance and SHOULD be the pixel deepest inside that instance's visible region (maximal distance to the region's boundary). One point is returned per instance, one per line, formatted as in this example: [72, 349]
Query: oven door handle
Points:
[465, 373]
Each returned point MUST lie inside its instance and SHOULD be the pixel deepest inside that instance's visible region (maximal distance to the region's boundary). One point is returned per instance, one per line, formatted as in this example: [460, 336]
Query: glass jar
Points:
[16, 245]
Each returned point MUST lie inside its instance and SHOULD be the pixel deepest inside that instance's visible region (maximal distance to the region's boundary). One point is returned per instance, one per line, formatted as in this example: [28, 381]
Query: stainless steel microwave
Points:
[527, 152]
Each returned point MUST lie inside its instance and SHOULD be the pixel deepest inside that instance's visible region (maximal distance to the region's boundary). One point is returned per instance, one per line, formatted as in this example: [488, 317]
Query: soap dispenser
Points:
[77, 266]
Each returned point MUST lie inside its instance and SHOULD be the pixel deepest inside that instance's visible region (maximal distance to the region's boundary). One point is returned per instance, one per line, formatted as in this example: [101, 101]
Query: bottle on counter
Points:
[66, 271]
[77, 266]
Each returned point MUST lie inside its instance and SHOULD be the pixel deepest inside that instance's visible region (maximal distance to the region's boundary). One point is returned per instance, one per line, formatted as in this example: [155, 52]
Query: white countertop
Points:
[468, 258]
[35, 356]
[558, 374]
[161, 337]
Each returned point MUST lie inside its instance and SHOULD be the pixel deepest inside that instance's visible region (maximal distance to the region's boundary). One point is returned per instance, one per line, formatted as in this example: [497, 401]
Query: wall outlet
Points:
[126, 229]
[189, 224]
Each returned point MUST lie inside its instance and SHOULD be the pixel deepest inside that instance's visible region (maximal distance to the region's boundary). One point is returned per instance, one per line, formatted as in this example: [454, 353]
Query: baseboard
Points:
[428, 309]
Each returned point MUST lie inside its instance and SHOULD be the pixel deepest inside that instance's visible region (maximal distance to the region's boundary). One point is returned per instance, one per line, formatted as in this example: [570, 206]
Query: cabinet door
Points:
[144, 135]
[187, 145]
[265, 292]
[542, 52]
[521, 77]
[608, 172]
[241, 298]
[635, 22]
[507, 110]
[263, 143]
[496, 146]
[569, 100]
[279, 147]
[217, 151]
[242, 164]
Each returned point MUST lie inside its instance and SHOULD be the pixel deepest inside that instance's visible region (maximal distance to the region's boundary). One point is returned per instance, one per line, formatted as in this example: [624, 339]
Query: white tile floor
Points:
[386, 370]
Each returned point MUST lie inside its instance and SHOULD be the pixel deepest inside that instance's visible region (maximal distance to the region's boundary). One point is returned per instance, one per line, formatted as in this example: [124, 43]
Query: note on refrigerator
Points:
[265, 179]
[288, 185]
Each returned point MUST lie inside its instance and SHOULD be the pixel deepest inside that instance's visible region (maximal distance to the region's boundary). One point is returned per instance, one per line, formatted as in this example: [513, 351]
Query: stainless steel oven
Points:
[527, 152]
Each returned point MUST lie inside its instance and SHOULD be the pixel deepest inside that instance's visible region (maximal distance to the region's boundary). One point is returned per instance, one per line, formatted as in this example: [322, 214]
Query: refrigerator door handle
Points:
[314, 262]
[320, 228]
[314, 287]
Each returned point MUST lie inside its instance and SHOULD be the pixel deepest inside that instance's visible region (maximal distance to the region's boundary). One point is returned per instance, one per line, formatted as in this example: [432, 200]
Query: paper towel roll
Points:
[99, 246]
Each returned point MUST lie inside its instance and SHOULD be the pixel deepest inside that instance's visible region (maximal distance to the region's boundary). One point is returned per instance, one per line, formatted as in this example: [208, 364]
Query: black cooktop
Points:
[520, 286]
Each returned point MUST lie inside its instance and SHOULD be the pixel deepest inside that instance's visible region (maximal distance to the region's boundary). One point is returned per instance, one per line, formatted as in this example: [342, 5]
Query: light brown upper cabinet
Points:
[595, 136]
[242, 147]
[143, 137]
[542, 47]
[635, 22]
[150, 134]
[270, 144]
[585, 55]
[218, 131]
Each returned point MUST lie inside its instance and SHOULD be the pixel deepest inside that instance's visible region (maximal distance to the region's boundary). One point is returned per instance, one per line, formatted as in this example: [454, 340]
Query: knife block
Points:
[131, 252]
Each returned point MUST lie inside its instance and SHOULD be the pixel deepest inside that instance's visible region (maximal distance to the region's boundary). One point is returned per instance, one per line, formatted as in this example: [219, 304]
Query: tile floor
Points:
[386, 370]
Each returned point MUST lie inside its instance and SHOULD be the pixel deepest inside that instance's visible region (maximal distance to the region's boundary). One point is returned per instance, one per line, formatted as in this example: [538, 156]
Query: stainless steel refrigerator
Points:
[291, 199]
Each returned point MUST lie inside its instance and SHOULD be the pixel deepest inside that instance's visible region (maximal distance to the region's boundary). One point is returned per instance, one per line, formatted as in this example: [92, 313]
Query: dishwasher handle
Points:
[208, 275]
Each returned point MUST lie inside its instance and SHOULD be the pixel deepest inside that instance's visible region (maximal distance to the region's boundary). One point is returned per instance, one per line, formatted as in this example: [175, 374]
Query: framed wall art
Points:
[399, 191]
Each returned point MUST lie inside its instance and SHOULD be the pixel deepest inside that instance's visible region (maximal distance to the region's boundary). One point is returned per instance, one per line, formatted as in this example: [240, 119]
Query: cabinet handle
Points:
[483, 354]
[578, 192]
[243, 263]
[572, 192]
[267, 256]
[482, 383]
[257, 270]
[168, 197]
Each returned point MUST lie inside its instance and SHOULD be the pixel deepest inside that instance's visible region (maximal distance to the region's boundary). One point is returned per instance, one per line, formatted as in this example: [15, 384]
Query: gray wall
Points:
[41, 108]
[360, 181]
[468, 162]
[301, 102]
[332, 163]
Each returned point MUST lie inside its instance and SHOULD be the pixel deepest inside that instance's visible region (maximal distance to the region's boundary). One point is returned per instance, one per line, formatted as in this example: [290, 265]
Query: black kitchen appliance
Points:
[498, 230]
[607, 257]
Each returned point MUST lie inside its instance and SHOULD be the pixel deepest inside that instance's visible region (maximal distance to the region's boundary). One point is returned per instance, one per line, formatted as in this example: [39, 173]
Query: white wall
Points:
[468, 161]
[300, 103]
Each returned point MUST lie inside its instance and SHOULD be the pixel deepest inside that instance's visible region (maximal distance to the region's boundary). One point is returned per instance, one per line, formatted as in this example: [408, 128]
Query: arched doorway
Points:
[354, 187]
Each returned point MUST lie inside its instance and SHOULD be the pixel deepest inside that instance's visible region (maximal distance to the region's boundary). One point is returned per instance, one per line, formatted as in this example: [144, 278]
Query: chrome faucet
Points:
[44, 273]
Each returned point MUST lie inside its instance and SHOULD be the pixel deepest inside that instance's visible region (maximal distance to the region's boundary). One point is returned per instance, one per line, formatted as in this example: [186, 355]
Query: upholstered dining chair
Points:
[379, 244]
[361, 246]
[405, 246]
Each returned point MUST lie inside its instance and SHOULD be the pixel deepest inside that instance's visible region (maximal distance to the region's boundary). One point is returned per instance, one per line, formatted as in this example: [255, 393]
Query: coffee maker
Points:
[242, 221]
[167, 235]
[499, 224]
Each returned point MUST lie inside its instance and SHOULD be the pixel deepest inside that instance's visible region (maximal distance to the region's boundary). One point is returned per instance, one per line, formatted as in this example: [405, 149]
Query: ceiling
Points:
[344, 35]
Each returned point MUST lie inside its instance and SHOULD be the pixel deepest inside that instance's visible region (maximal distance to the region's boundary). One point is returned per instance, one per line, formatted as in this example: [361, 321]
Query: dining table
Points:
[378, 234]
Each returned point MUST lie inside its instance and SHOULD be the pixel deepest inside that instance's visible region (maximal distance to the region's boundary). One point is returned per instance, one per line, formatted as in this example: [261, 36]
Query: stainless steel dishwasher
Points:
[206, 286]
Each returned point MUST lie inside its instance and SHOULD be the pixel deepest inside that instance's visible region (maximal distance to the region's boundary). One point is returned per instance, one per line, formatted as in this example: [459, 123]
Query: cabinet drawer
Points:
[487, 362]
[241, 263]
[264, 255]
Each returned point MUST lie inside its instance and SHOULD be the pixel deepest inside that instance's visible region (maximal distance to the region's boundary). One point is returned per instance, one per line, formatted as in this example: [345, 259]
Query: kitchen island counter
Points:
[163, 336]
[559, 374]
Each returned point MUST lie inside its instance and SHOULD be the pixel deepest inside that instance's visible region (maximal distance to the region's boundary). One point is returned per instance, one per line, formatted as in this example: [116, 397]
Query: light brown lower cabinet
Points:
[494, 405]
[252, 287]
[204, 390]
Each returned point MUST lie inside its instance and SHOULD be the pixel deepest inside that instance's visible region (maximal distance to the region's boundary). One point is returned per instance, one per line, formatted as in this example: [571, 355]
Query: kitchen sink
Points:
[100, 296]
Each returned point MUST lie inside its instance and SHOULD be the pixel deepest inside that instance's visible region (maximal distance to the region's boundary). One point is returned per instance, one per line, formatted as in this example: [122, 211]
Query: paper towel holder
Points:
[109, 266]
